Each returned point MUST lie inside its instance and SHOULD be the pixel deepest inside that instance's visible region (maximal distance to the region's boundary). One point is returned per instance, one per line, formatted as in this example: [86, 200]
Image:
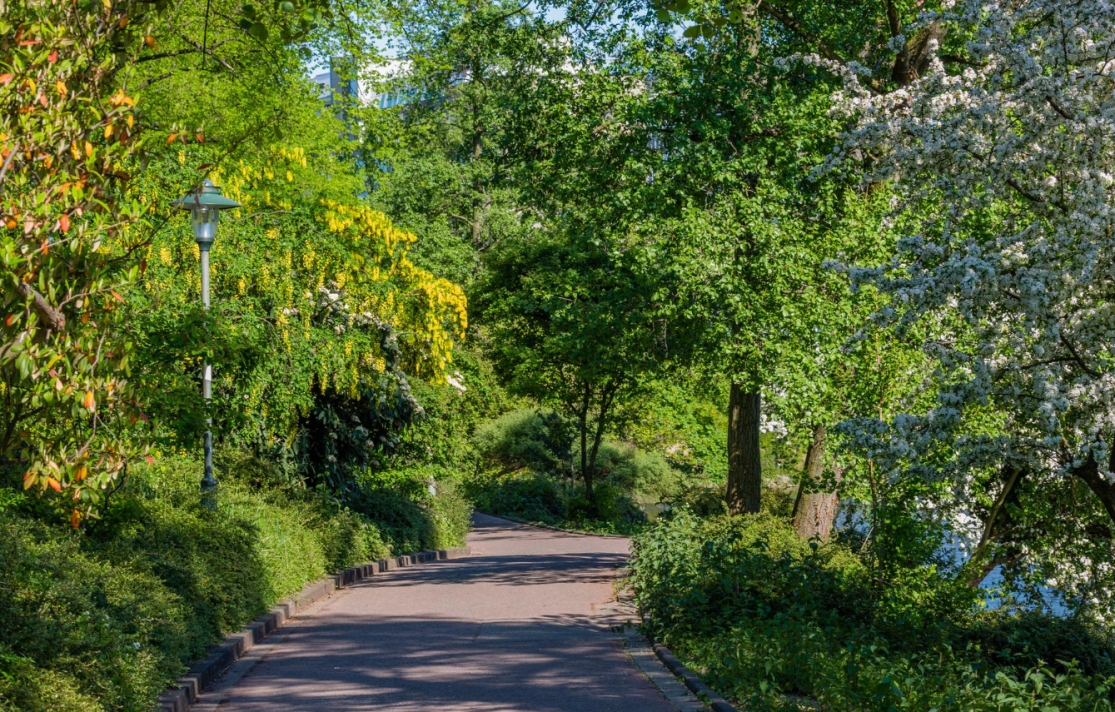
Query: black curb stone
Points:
[228, 651]
[715, 701]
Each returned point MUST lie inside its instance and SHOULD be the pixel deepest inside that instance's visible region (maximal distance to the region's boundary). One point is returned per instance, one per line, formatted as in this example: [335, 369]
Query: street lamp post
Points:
[205, 204]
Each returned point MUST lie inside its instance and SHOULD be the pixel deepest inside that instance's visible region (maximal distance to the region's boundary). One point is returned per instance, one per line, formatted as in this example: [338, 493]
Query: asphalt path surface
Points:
[522, 625]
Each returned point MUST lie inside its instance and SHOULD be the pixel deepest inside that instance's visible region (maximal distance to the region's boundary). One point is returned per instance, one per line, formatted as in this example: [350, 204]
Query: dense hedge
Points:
[104, 619]
[779, 623]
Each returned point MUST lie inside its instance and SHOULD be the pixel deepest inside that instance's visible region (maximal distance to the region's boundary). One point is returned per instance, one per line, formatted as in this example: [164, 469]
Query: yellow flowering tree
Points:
[318, 317]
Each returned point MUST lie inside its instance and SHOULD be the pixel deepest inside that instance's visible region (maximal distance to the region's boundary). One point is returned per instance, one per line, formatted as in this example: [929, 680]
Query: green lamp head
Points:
[205, 204]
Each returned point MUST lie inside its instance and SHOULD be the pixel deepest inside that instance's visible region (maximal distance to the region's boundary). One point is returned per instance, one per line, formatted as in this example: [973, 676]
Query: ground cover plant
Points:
[781, 623]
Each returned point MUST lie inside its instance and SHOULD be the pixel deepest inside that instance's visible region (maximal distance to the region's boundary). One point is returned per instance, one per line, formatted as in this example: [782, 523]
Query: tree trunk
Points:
[1104, 490]
[976, 569]
[745, 470]
[814, 509]
[606, 396]
[584, 443]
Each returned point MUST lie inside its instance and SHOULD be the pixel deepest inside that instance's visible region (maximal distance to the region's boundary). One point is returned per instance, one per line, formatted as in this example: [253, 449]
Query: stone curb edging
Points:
[694, 683]
[540, 525]
[228, 651]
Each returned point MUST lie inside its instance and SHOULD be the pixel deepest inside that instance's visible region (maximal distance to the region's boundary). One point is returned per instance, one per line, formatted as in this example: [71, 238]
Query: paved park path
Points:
[521, 626]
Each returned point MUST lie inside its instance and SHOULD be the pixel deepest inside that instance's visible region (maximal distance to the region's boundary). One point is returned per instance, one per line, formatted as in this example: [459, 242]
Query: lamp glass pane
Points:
[204, 222]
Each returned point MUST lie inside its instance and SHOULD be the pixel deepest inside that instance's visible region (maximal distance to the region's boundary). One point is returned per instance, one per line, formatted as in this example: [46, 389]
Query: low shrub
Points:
[452, 514]
[414, 509]
[82, 627]
[537, 498]
[612, 506]
[525, 457]
[23, 686]
[779, 623]
[526, 495]
[104, 619]
[644, 475]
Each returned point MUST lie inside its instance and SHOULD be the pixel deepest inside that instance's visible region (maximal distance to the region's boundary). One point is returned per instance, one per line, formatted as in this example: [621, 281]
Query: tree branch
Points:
[8, 162]
[54, 319]
[1076, 357]
[152, 80]
[790, 24]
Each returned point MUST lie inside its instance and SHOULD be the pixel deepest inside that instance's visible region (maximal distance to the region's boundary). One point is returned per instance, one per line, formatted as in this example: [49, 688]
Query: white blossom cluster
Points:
[1004, 168]
[332, 306]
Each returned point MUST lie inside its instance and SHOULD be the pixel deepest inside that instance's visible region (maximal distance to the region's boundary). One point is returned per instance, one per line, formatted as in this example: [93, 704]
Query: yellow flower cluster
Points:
[322, 285]
[429, 313]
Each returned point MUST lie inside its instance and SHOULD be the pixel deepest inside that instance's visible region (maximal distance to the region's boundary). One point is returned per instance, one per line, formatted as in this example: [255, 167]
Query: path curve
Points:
[521, 626]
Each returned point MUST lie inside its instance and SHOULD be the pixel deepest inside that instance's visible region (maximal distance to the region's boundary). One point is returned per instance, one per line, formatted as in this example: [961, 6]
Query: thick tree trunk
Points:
[1089, 472]
[815, 509]
[745, 471]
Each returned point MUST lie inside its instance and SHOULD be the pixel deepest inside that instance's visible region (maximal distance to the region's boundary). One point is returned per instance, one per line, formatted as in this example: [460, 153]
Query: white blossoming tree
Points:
[1006, 168]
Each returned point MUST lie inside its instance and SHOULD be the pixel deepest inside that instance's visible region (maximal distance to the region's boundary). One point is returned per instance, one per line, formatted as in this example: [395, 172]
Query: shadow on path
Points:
[511, 629]
[510, 571]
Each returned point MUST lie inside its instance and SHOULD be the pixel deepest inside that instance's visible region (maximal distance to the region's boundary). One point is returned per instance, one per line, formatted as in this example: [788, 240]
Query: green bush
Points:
[538, 498]
[349, 539]
[526, 439]
[23, 686]
[81, 624]
[105, 619]
[410, 519]
[525, 455]
[612, 505]
[452, 514]
[526, 495]
[779, 623]
[644, 475]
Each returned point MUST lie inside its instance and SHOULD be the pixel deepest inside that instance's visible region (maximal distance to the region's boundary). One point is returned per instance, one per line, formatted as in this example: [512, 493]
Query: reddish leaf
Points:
[64, 223]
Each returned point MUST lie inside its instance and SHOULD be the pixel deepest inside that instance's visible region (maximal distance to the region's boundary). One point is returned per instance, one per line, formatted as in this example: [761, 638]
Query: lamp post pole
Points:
[208, 482]
[205, 205]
